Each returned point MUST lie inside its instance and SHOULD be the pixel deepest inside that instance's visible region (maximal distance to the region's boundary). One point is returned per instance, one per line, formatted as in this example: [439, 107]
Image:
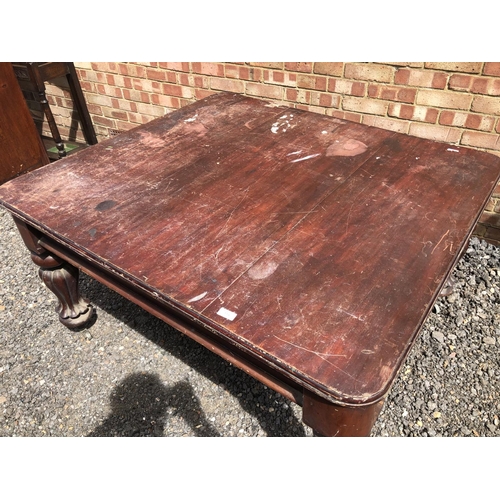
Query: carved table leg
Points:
[61, 279]
[329, 419]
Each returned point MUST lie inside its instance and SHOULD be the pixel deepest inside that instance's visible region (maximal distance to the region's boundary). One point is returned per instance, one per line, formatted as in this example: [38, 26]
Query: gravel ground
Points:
[129, 374]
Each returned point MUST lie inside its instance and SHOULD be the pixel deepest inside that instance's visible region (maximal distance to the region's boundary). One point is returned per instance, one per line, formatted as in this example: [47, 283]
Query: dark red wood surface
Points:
[21, 147]
[317, 244]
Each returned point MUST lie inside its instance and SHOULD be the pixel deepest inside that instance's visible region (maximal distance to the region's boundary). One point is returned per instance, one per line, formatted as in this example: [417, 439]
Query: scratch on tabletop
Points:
[309, 350]
[361, 318]
[442, 237]
[425, 243]
[305, 158]
[216, 255]
[232, 212]
[305, 212]
[322, 356]
[198, 297]
[350, 209]
[448, 245]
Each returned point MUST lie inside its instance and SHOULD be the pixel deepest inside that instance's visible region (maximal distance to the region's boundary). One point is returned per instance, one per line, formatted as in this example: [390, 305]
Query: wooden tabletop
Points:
[318, 244]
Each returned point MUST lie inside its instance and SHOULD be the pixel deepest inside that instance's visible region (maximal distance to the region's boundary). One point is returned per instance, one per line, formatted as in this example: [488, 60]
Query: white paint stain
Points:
[453, 150]
[226, 313]
[191, 119]
[282, 124]
[305, 158]
[198, 297]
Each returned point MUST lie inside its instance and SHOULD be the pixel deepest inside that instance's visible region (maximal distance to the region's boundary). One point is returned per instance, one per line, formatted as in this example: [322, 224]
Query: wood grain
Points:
[316, 244]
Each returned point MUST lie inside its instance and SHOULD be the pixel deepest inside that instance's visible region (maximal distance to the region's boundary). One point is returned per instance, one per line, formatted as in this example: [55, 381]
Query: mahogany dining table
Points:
[304, 249]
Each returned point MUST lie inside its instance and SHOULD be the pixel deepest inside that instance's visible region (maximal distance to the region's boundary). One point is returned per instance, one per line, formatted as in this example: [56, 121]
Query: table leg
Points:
[60, 278]
[329, 419]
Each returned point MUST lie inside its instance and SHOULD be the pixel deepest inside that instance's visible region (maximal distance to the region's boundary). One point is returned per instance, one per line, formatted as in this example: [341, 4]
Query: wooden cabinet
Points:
[21, 148]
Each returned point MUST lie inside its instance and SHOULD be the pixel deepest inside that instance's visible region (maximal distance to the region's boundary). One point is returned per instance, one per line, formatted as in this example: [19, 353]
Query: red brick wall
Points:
[458, 103]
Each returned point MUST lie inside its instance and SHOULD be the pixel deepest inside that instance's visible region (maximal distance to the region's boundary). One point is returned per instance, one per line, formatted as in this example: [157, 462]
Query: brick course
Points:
[329, 68]
[263, 90]
[464, 67]
[435, 132]
[487, 105]
[481, 140]
[413, 113]
[346, 87]
[444, 99]
[491, 68]
[364, 105]
[421, 78]
[370, 72]
[392, 93]
[457, 103]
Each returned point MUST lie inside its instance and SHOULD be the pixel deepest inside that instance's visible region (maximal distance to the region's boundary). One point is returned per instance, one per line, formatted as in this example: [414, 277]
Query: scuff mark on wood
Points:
[305, 158]
[361, 318]
[309, 350]
[437, 244]
[198, 297]
[262, 270]
[346, 147]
